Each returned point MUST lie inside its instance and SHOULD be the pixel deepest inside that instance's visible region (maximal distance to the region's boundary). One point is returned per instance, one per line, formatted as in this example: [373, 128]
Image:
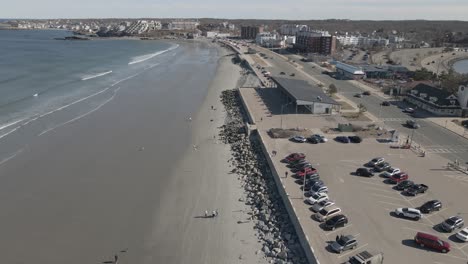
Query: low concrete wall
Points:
[246, 107]
[303, 239]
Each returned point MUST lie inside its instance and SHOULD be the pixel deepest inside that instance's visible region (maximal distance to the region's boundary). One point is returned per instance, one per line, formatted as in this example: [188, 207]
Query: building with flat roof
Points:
[303, 94]
[435, 100]
[292, 29]
[315, 42]
[268, 39]
[348, 71]
[250, 32]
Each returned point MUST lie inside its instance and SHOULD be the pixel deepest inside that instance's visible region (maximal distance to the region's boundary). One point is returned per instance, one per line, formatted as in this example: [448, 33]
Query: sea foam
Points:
[146, 57]
[87, 77]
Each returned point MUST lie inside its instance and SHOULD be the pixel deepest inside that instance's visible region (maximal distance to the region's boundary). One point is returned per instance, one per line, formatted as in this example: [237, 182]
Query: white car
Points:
[463, 234]
[409, 110]
[317, 198]
[390, 172]
[411, 213]
[323, 204]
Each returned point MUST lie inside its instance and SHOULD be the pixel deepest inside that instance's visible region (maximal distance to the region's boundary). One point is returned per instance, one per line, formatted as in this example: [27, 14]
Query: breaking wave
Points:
[146, 57]
[87, 77]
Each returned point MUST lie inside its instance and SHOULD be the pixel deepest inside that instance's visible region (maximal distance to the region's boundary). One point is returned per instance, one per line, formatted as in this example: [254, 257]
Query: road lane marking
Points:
[354, 250]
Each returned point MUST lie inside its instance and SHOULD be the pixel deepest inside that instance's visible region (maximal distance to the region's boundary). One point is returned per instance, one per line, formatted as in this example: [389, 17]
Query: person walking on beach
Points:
[116, 258]
[286, 174]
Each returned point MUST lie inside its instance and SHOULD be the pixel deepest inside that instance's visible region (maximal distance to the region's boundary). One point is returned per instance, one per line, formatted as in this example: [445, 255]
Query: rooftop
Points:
[303, 92]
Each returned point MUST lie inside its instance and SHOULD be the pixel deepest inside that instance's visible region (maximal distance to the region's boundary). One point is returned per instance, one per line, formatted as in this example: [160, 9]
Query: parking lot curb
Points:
[303, 239]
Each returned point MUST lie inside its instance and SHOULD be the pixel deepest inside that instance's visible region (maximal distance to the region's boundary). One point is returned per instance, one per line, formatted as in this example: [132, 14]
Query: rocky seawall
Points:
[272, 225]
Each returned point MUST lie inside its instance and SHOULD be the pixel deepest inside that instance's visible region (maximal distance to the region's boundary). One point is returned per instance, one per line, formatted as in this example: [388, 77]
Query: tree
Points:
[332, 89]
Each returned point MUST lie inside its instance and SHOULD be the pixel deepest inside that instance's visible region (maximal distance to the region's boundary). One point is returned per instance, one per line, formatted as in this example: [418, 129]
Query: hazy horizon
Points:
[378, 10]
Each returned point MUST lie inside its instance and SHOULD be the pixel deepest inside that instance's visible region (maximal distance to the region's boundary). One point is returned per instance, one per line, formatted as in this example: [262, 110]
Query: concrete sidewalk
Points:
[446, 122]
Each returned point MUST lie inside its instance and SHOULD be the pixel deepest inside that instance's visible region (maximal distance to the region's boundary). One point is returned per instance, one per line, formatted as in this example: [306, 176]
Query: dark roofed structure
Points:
[434, 100]
[302, 93]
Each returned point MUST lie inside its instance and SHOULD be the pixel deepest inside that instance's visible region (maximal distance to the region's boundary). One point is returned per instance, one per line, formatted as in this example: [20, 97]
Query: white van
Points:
[327, 212]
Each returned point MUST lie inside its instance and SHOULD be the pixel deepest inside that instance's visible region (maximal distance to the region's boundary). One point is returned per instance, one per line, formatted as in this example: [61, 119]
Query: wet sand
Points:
[127, 180]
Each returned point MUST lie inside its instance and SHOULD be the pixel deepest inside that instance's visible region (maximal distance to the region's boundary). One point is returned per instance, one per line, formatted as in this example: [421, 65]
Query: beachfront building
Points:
[292, 29]
[250, 32]
[437, 101]
[306, 97]
[347, 71]
[462, 95]
[183, 25]
[315, 42]
[348, 40]
[216, 34]
[268, 39]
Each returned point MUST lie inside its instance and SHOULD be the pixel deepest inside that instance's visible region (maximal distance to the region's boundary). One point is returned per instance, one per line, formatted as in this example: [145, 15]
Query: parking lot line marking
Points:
[373, 183]
[380, 190]
[462, 247]
[417, 196]
[438, 212]
[336, 230]
[351, 251]
[399, 205]
[389, 197]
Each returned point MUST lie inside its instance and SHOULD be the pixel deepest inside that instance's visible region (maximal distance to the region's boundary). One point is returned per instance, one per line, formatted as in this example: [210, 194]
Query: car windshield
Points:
[463, 232]
[450, 221]
[323, 212]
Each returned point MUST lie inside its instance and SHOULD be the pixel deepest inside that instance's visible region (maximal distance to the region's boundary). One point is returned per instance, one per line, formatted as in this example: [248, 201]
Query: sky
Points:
[240, 9]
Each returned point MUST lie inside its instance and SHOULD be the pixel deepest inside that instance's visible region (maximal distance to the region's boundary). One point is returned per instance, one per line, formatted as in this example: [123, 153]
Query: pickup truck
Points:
[366, 257]
[416, 189]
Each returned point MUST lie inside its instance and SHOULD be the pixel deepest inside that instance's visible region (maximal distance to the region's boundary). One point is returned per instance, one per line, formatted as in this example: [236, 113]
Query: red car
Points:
[306, 171]
[397, 178]
[430, 241]
[294, 157]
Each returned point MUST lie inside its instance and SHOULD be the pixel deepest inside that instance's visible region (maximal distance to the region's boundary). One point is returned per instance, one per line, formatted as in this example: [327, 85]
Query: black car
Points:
[313, 140]
[342, 139]
[282, 73]
[295, 162]
[382, 167]
[310, 179]
[366, 93]
[355, 139]
[335, 222]
[416, 189]
[385, 103]
[301, 166]
[403, 185]
[430, 206]
[364, 172]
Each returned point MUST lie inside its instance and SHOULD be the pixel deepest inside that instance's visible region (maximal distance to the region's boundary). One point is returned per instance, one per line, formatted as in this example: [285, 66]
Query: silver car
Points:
[344, 243]
[323, 204]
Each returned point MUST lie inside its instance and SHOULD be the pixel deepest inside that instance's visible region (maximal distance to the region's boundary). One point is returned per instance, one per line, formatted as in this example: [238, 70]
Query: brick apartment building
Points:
[250, 32]
[315, 42]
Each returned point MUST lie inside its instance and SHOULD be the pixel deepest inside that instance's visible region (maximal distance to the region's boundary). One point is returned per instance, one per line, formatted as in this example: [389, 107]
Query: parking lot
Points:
[369, 202]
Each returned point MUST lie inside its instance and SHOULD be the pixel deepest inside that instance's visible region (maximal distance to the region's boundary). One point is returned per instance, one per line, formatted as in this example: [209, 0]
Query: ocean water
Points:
[461, 66]
[40, 75]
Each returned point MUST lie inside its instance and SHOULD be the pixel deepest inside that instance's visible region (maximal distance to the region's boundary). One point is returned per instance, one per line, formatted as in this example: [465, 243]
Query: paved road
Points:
[432, 137]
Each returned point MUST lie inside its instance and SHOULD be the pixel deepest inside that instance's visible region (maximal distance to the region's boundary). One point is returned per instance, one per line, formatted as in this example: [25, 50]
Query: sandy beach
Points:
[134, 177]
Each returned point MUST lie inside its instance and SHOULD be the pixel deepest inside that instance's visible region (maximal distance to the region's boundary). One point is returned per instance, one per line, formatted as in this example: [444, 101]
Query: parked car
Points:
[403, 185]
[412, 124]
[383, 166]
[430, 206]
[335, 222]
[342, 139]
[321, 138]
[366, 257]
[317, 198]
[297, 164]
[298, 139]
[323, 204]
[318, 189]
[364, 172]
[385, 103]
[463, 234]
[452, 223]
[344, 243]
[430, 241]
[410, 213]
[358, 95]
[409, 110]
[355, 139]
[306, 171]
[309, 178]
[313, 140]
[292, 74]
[390, 172]
[327, 213]
[295, 156]
[282, 73]
[366, 93]
[416, 189]
[375, 161]
[396, 178]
